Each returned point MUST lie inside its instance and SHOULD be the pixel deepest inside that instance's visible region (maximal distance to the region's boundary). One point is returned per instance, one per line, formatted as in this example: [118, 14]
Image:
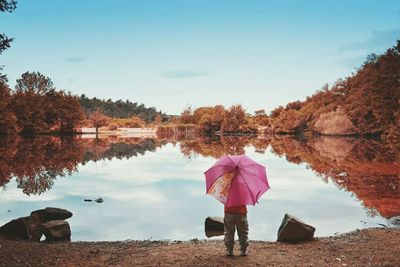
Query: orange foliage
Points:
[370, 100]
[36, 106]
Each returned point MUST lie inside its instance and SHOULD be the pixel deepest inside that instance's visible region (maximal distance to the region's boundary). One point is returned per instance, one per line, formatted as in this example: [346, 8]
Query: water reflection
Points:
[367, 168]
[216, 147]
[37, 162]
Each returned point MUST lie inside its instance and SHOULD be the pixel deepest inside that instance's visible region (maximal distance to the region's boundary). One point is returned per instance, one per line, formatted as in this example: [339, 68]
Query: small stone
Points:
[99, 200]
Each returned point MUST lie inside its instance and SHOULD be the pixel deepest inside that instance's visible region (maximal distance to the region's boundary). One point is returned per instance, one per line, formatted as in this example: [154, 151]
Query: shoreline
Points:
[370, 246]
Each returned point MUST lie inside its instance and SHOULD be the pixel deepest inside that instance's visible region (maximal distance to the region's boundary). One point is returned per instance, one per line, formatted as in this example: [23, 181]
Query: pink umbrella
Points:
[236, 180]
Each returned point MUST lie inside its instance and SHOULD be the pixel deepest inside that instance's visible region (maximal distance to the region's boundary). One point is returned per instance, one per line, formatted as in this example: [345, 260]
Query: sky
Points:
[171, 54]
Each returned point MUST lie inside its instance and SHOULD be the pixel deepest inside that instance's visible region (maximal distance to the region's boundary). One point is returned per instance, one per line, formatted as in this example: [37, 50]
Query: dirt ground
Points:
[368, 247]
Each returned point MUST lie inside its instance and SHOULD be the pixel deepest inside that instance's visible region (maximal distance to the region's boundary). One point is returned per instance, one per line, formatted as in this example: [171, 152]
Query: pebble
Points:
[99, 200]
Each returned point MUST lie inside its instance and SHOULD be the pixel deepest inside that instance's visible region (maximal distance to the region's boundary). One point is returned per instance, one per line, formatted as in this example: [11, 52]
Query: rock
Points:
[335, 123]
[51, 214]
[26, 228]
[57, 230]
[99, 200]
[214, 223]
[293, 230]
[395, 221]
[214, 226]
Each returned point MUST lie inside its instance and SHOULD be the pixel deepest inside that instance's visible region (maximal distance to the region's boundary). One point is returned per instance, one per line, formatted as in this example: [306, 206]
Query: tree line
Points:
[218, 119]
[366, 103]
[120, 109]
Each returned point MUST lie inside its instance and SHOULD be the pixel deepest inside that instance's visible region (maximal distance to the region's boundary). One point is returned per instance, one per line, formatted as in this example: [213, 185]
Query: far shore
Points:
[367, 247]
[88, 132]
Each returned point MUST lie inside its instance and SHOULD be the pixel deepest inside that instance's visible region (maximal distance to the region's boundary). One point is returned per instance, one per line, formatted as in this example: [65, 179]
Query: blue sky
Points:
[174, 53]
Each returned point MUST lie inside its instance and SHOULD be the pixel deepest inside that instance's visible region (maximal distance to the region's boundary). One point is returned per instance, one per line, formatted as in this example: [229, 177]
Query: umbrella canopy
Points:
[236, 180]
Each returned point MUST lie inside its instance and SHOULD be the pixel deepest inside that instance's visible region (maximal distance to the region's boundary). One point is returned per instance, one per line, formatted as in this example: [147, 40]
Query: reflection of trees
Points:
[217, 146]
[7, 152]
[38, 161]
[367, 168]
[118, 147]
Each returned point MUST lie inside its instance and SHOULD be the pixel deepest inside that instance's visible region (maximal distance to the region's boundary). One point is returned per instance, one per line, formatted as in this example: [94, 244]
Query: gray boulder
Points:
[214, 226]
[25, 228]
[51, 214]
[293, 230]
[57, 230]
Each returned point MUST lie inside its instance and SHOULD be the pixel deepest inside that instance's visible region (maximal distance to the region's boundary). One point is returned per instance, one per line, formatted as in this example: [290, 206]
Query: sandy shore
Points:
[368, 247]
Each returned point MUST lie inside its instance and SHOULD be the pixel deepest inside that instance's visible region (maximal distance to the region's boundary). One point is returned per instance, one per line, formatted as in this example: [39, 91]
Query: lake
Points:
[155, 188]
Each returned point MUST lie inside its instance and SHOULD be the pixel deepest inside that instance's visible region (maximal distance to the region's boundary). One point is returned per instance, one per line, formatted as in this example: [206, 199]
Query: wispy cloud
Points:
[377, 40]
[75, 59]
[182, 74]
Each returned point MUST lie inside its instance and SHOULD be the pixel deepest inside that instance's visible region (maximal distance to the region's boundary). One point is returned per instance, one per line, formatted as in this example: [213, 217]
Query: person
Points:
[236, 219]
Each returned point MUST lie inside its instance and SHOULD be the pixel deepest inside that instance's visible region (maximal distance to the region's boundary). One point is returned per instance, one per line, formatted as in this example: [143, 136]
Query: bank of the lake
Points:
[368, 247]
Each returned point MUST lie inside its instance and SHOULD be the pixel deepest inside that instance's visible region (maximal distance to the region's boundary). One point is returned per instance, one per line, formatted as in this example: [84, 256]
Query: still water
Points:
[155, 188]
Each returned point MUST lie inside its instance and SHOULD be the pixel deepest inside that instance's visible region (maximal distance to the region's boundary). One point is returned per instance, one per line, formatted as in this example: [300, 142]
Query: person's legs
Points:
[243, 232]
[229, 232]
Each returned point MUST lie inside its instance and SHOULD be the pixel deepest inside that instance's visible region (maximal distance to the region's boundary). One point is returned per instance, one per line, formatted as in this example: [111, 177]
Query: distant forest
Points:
[120, 109]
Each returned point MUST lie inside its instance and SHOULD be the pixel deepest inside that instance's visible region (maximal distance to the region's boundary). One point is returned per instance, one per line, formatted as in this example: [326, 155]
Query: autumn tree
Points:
[158, 120]
[98, 119]
[187, 115]
[261, 118]
[8, 121]
[209, 119]
[40, 107]
[135, 122]
[29, 101]
[277, 111]
[235, 118]
[7, 118]
[70, 112]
